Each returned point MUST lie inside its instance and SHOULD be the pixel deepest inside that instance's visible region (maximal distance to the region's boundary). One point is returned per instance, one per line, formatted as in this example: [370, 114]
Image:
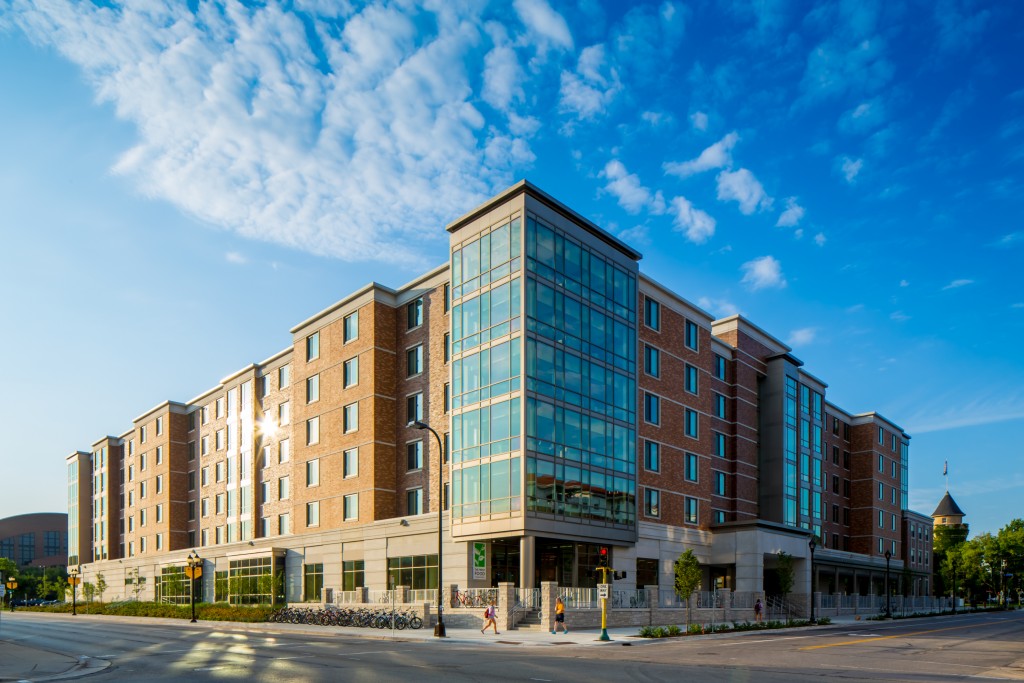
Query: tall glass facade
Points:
[580, 380]
[486, 341]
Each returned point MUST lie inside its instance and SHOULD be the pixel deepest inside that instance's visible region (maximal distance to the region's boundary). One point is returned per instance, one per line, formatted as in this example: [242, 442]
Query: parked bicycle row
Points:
[376, 618]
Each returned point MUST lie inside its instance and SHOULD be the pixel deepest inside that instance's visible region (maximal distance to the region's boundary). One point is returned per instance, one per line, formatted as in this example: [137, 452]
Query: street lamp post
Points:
[74, 578]
[812, 545]
[888, 607]
[439, 631]
[193, 571]
[954, 587]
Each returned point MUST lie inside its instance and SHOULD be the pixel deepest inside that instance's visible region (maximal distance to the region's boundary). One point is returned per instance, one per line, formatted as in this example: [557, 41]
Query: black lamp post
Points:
[888, 608]
[193, 571]
[74, 577]
[954, 587]
[439, 631]
[812, 545]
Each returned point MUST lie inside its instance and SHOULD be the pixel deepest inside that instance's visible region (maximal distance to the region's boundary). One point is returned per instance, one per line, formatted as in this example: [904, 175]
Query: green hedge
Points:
[206, 612]
[721, 627]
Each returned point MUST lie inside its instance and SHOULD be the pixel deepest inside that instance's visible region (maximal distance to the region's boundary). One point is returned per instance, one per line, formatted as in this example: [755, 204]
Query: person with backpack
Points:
[490, 619]
[758, 608]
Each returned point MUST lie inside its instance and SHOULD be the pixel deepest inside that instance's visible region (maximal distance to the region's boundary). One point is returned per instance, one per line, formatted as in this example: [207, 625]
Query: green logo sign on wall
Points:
[479, 561]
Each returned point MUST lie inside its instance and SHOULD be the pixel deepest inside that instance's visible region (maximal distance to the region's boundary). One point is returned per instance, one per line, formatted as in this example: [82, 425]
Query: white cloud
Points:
[626, 187]
[899, 316]
[638, 234]
[904, 283]
[720, 308]
[802, 336]
[235, 258]
[741, 186]
[863, 118]
[1010, 240]
[699, 120]
[586, 92]
[762, 273]
[850, 168]
[503, 78]
[792, 215]
[958, 283]
[246, 124]
[717, 155]
[656, 118]
[819, 239]
[547, 25]
[696, 225]
[1017, 305]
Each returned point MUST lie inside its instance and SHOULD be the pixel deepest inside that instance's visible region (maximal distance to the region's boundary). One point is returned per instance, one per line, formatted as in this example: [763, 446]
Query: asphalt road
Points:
[965, 647]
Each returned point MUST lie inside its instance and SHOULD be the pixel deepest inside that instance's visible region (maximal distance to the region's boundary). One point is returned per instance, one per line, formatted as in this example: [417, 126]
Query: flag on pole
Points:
[945, 468]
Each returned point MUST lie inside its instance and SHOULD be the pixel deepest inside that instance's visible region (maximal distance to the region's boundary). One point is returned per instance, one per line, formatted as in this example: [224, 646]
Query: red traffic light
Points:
[604, 551]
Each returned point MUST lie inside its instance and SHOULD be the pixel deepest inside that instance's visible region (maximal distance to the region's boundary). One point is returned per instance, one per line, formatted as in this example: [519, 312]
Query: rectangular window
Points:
[142, 517]
[881, 463]
[720, 483]
[691, 379]
[219, 471]
[447, 294]
[881, 519]
[313, 346]
[313, 472]
[692, 426]
[204, 507]
[414, 501]
[218, 507]
[881, 436]
[692, 467]
[719, 516]
[414, 313]
[350, 418]
[350, 463]
[881, 491]
[350, 374]
[284, 450]
[313, 389]
[652, 456]
[652, 503]
[284, 376]
[351, 505]
[218, 408]
[312, 431]
[352, 575]
[719, 406]
[142, 434]
[414, 360]
[204, 445]
[282, 488]
[160, 483]
[652, 313]
[313, 513]
[142, 462]
[191, 511]
[414, 455]
[284, 523]
[351, 327]
[160, 513]
[447, 397]
[718, 444]
[690, 508]
[284, 414]
[692, 339]
[414, 408]
[218, 440]
[652, 409]
[142, 489]
[191, 481]
[191, 450]
[652, 361]
[160, 427]
[719, 367]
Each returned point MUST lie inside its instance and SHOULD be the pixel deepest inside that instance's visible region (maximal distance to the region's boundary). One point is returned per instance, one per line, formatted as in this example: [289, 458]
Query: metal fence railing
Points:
[348, 597]
[626, 599]
[529, 598]
[577, 598]
[709, 599]
[744, 600]
[376, 596]
[421, 595]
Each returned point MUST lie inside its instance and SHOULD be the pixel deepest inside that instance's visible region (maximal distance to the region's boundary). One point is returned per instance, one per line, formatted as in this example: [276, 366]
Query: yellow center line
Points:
[898, 635]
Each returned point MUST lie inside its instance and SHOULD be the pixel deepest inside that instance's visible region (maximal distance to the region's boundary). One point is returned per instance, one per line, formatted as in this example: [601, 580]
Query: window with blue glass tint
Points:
[691, 423]
[720, 483]
[652, 361]
[718, 444]
[485, 431]
[692, 338]
[488, 316]
[720, 406]
[486, 374]
[690, 511]
[652, 457]
[691, 379]
[490, 257]
[652, 409]
[719, 367]
[487, 488]
[692, 467]
[652, 503]
[414, 313]
[652, 313]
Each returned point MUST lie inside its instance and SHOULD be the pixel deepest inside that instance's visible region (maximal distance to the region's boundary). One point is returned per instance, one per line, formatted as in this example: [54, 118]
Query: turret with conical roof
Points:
[948, 513]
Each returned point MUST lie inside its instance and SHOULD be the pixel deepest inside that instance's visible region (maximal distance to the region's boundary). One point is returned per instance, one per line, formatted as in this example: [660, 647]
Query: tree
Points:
[88, 590]
[784, 569]
[101, 585]
[687, 569]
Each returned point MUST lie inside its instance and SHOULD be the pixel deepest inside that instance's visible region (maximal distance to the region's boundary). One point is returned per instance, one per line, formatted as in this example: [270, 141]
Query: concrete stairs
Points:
[531, 622]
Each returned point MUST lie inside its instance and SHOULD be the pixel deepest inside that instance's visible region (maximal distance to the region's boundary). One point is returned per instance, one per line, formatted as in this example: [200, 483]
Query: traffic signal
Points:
[602, 556]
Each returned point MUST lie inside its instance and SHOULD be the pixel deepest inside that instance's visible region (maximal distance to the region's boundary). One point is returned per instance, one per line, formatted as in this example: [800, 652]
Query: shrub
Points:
[674, 630]
[206, 612]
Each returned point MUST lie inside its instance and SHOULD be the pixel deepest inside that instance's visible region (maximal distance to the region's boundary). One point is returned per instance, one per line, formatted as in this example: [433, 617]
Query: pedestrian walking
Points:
[559, 617]
[758, 608]
[490, 617]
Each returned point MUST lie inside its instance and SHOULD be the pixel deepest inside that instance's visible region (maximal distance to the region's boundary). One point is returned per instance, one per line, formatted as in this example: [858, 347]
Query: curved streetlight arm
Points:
[439, 630]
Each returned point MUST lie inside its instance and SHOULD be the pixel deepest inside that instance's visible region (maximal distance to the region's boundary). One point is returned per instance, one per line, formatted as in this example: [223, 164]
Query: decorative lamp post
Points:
[74, 578]
[954, 587]
[439, 631]
[1002, 585]
[888, 608]
[193, 571]
[812, 545]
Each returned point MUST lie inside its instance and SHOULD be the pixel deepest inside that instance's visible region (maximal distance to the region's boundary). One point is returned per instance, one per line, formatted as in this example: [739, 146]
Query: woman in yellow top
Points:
[559, 617]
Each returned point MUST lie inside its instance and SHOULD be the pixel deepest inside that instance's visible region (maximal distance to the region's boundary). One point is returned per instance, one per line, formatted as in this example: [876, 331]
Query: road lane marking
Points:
[875, 639]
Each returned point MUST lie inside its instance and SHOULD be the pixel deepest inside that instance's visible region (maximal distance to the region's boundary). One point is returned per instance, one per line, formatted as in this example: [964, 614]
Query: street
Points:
[957, 648]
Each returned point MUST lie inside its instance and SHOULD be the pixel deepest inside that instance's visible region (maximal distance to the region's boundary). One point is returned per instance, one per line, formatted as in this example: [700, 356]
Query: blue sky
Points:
[180, 184]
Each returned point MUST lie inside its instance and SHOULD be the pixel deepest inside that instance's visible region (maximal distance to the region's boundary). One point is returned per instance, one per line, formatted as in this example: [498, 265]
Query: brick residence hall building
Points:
[580, 405]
